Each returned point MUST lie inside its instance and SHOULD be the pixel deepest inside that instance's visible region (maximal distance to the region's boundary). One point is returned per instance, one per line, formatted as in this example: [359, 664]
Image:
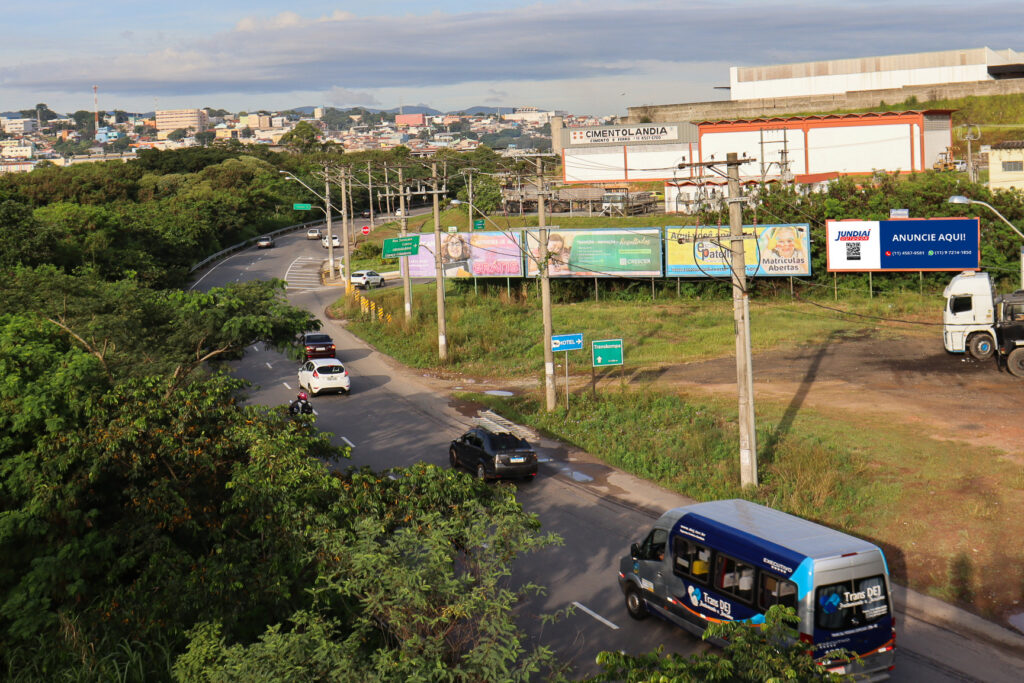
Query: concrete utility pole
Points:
[406, 280]
[330, 234]
[971, 133]
[442, 338]
[344, 229]
[369, 192]
[545, 294]
[741, 315]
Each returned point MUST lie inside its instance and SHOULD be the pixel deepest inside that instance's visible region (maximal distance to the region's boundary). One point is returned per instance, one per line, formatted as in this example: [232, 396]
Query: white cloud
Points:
[655, 52]
[343, 97]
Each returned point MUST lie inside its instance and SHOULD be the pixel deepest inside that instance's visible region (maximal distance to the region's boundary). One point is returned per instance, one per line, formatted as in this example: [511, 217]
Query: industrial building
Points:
[857, 83]
[168, 120]
[800, 149]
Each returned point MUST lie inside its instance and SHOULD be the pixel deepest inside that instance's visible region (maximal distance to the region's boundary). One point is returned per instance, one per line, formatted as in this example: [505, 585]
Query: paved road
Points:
[393, 417]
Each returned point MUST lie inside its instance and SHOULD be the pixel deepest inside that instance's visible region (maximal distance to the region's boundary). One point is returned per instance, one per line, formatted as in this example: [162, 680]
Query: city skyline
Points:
[595, 58]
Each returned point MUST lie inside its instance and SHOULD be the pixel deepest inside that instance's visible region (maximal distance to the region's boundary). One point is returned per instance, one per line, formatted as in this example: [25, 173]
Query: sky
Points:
[594, 57]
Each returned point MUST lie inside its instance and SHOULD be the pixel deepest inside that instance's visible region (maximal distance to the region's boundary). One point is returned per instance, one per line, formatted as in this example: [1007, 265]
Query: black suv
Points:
[493, 455]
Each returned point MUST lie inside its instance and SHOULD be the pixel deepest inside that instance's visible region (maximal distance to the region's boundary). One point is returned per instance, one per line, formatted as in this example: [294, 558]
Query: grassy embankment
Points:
[933, 505]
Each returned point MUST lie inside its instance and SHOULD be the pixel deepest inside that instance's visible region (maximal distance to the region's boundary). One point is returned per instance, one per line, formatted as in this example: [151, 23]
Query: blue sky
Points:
[593, 57]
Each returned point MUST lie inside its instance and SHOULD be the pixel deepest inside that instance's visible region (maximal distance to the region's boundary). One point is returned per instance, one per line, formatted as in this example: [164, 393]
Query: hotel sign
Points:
[648, 132]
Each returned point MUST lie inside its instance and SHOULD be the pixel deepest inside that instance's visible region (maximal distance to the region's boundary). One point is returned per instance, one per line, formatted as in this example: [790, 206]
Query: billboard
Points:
[607, 252]
[477, 254]
[779, 250]
[604, 135]
[907, 244]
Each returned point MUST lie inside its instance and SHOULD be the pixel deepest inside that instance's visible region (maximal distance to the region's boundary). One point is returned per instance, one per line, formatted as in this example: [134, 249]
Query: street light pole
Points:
[545, 294]
[326, 199]
[960, 199]
[406, 279]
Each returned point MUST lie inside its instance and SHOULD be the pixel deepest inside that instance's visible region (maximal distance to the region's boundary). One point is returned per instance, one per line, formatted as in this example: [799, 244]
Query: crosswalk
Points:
[303, 273]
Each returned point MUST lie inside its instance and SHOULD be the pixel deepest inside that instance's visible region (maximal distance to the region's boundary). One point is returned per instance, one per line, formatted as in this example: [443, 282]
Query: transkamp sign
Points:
[934, 244]
[652, 132]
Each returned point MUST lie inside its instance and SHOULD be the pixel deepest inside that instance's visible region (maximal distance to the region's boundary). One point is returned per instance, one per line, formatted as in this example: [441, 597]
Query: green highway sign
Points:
[606, 352]
[478, 224]
[401, 246]
[302, 207]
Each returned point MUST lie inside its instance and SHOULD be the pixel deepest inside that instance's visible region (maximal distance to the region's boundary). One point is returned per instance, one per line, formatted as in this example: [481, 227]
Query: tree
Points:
[303, 138]
[177, 134]
[422, 570]
[121, 144]
[768, 652]
[486, 193]
[206, 137]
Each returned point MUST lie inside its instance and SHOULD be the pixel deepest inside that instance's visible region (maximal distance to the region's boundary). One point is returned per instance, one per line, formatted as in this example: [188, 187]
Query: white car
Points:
[367, 279]
[334, 239]
[314, 234]
[318, 375]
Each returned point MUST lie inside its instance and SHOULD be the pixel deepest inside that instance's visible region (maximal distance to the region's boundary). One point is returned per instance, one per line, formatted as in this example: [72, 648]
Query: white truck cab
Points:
[968, 320]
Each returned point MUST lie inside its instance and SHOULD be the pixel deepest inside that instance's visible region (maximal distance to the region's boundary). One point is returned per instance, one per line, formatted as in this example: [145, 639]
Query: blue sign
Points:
[909, 244]
[567, 342]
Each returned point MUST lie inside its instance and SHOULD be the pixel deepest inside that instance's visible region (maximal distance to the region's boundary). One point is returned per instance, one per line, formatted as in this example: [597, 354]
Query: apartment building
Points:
[18, 126]
[188, 119]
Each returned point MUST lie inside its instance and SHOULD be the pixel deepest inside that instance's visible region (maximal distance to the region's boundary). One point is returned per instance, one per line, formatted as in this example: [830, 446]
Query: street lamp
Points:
[960, 199]
[326, 199]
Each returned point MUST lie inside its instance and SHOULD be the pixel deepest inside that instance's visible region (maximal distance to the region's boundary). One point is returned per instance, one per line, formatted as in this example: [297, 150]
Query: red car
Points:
[317, 345]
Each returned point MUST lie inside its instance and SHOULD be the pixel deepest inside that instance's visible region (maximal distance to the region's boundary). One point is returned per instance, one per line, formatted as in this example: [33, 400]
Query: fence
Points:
[370, 307]
[250, 242]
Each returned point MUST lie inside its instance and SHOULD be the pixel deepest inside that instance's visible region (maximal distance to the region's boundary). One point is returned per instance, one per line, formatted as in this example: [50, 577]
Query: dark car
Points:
[265, 242]
[317, 345]
[493, 455]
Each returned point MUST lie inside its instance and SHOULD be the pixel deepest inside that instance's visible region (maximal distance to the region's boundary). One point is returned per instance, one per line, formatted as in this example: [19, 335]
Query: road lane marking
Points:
[270, 366]
[597, 616]
[289, 386]
[350, 444]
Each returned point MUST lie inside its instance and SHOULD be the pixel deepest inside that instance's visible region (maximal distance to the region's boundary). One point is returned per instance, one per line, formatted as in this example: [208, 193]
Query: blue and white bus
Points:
[730, 560]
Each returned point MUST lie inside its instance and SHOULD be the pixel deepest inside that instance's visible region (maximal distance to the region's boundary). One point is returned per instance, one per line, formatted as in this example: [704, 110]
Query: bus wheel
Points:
[981, 346]
[1015, 362]
[635, 604]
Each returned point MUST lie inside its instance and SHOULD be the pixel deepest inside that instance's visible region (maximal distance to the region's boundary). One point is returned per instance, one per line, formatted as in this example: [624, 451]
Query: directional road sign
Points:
[401, 246]
[567, 342]
[478, 224]
[302, 207]
[606, 352]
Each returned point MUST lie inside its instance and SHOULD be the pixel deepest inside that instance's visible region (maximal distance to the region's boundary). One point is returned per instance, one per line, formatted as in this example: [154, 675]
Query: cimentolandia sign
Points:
[651, 132]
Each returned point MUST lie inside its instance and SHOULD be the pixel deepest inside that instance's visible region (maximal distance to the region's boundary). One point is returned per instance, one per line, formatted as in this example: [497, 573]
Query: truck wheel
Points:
[635, 604]
[1015, 362]
[981, 347]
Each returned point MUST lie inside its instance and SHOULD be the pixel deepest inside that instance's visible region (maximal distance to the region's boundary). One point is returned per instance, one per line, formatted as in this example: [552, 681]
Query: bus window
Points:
[850, 604]
[775, 591]
[690, 559]
[735, 577]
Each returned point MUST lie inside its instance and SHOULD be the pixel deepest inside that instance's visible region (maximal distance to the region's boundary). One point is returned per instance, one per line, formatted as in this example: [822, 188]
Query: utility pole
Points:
[330, 234]
[469, 190]
[406, 280]
[344, 228]
[442, 338]
[369, 192]
[741, 315]
[971, 133]
[545, 293]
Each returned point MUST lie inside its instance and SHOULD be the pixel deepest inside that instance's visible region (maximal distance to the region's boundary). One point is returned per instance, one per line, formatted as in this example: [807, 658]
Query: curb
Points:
[938, 613]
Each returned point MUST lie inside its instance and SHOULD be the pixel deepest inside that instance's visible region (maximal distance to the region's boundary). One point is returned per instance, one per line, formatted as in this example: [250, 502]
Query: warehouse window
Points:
[1013, 166]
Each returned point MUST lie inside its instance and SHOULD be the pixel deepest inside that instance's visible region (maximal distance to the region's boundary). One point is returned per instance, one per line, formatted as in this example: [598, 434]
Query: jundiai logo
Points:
[853, 236]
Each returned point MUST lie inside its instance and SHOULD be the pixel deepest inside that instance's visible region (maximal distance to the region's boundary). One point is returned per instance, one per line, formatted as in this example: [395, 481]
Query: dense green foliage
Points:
[768, 652]
[155, 526]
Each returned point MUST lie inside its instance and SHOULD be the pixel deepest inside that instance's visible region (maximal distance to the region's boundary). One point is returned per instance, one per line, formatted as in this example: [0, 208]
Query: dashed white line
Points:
[270, 366]
[289, 386]
[597, 616]
[350, 444]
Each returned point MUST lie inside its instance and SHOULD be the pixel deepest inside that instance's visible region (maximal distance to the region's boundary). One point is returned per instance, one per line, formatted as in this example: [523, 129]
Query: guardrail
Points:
[249, 242]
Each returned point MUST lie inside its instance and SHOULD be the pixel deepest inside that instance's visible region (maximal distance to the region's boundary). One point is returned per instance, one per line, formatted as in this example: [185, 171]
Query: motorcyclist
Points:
[301, 405]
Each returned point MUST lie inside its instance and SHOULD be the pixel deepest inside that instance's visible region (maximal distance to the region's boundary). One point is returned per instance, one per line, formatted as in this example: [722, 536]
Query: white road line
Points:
[255, 348]
[289, 386]
[597, 616]
[350, 444]
[270, 366]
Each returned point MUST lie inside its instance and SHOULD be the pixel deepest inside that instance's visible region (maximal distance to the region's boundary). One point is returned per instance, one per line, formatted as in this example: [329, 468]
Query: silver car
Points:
[367, 279]
[314, 234]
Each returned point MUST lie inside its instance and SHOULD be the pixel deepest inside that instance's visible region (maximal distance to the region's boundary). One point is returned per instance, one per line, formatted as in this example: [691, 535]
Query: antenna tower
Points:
[95, 108]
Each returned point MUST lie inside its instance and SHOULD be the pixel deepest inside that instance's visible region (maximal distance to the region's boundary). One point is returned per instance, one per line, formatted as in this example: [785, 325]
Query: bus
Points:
[730, 560]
